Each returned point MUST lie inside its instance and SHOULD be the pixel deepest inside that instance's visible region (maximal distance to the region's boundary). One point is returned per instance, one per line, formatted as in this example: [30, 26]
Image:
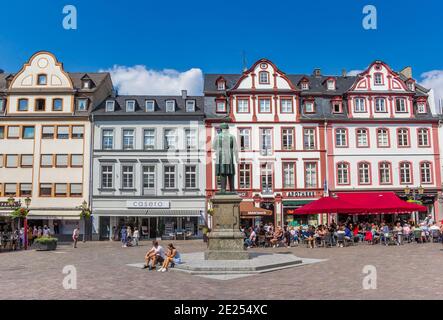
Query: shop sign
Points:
[302, 194]
[5, 204]
[148, 204]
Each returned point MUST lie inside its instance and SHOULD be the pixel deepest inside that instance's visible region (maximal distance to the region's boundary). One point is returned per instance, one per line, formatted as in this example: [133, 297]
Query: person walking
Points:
[136, 236]
[75, 236]
[123, 236]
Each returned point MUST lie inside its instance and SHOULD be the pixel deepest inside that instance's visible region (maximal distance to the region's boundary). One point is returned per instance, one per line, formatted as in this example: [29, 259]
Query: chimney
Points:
[184, 94]
[407, 72]
[344, 73]
[317, 72]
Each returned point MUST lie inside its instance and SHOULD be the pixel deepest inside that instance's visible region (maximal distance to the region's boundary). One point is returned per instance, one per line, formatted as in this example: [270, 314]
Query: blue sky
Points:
[297, 35]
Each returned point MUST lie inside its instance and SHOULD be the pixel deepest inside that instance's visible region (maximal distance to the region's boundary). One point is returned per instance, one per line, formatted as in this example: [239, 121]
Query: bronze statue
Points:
[225, 146]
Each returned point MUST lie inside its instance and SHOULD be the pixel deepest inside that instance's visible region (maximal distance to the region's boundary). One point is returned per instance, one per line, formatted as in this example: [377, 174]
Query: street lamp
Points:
[407, 190]
[11, 201]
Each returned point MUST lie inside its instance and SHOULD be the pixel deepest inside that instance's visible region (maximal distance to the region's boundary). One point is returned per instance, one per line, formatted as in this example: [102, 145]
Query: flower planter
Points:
[45, 244]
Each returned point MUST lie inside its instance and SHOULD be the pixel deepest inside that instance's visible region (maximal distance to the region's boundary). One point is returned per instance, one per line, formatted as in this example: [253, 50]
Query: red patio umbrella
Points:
[327, 205]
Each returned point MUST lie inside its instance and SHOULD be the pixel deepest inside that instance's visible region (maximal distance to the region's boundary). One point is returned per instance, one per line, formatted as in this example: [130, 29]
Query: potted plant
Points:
[85, 214]
[20, 213]
[45, 243]
[211, 212]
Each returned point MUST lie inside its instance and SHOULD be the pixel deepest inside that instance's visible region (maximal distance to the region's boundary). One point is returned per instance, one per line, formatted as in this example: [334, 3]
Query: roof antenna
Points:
[244, 61]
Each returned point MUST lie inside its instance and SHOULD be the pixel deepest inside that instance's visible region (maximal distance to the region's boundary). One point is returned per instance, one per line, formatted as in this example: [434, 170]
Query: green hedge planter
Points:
[45, 244]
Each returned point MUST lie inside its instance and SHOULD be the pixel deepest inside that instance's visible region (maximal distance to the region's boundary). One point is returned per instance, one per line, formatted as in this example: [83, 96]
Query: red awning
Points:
[327, 205]
[360, 203]
[379, 202]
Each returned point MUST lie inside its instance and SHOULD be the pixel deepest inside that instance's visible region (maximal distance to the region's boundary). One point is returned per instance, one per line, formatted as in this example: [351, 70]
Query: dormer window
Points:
[221, 85]
[263, 77]
[378, 79]
[86, 84]
[130, 105]
[190, 105]
[421, 107]
[42, 79]
[220, 106]
[150, 105]
[337, 107]
[82, 104]
[109, 106]
[305, 85]
[309, 107]
[411, 85]
[330, 84]
[170, 106]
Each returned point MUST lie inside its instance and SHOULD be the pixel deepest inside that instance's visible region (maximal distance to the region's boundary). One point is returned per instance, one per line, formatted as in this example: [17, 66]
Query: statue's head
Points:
[224, 126]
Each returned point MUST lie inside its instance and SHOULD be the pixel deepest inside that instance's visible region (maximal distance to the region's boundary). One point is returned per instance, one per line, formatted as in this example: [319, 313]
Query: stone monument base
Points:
[225, 241]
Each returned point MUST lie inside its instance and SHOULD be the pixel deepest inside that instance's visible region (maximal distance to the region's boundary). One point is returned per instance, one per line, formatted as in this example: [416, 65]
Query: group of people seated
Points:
[157, 255]
[334, 234]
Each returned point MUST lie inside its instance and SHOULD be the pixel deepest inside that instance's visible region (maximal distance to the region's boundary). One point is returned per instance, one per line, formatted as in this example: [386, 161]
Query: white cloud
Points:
[433, 80]
[354, 72]
[139, 80]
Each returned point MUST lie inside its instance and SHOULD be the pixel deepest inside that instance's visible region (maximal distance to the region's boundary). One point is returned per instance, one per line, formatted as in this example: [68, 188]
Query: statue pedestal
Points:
[225, 241]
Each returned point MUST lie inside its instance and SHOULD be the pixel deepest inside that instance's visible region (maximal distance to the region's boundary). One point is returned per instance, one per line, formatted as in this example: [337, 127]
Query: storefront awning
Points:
[295, 203]
[247, 209]
[148, 213]
[54, 215]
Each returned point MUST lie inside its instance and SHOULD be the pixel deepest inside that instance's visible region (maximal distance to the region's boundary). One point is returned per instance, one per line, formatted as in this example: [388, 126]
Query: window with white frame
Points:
[243, 105]
[265, 105]
[150, 105]
[364, 173]
[403, 137]
[330, 84]
[405, 173]
[245, 138]
[426, 172]
[380, 105]
[311, 174]
[190, 105]
[286, 106]
[362, 138]
[378, 79]
[309, 107]
[127, 177]
[170, 140]
[359, 105]
[263, 77]
[110, 106]
[400, 105]
[421, 107]
[266, 177]
[148, 178]
[220, 106]
[221, 85]
[170, 106]
[342, 173]
[82, 104]
[384, 169]
[149, 139]
[107, 139]
[383, 138]
[245, 175]
[309, 139]
[305, 85]
[169, 177]
[266, 142]
[288, 175]
[423, 137]
[130, 105]
[341, 139]
[288, 139]
[190, 176]
[128, 139]
[191, 139]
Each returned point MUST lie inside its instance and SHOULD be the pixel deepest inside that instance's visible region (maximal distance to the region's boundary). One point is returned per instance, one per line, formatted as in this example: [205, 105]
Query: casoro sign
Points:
[148, 204]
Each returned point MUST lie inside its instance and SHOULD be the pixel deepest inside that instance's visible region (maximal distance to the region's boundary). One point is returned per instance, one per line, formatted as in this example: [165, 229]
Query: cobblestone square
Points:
[411, 271]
